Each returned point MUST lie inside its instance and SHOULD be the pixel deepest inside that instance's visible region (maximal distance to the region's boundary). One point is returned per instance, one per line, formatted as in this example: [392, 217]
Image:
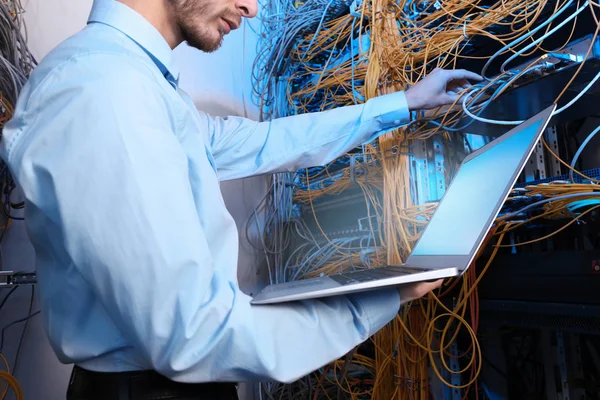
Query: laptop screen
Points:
[473, 196]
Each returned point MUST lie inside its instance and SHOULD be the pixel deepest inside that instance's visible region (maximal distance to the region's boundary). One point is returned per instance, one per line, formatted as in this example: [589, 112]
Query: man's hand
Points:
[415, 291]
[439, 88]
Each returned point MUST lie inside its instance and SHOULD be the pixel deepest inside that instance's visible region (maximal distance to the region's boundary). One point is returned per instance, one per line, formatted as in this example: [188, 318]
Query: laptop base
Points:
[349, 282]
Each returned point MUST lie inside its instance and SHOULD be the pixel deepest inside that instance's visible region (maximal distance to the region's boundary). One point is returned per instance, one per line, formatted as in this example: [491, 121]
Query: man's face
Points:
[204, 23]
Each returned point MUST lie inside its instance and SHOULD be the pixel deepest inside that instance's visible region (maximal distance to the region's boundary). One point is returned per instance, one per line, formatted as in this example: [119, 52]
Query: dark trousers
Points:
[142, 385]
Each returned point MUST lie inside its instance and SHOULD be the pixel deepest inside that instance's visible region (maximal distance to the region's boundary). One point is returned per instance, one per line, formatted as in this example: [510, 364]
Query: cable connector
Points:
[354, 7]
[576, 58]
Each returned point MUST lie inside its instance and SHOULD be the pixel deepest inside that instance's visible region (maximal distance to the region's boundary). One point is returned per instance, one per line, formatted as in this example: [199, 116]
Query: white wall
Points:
[219, 83]
[49, 22]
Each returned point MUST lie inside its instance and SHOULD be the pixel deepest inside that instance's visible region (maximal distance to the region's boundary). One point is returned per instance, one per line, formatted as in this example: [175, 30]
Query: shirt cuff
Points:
[380, 307]
[390, 111]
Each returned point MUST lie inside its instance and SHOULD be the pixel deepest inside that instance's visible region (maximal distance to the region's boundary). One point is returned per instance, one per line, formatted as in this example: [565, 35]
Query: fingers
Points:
[463, 84]
[415, 291]
[461, 74]
[451, 97]
[426, 287]
[440, 88]
[456, 89]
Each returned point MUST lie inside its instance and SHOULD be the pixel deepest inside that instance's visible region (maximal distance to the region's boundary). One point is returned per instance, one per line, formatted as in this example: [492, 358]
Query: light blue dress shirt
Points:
[136, 252]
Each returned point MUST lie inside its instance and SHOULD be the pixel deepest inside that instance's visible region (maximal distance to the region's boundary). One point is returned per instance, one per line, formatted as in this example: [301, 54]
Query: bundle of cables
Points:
[320, 55]
[16, 63]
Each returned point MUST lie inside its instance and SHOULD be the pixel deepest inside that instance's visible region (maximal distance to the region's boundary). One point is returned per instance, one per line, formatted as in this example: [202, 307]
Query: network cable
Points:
[316, 60]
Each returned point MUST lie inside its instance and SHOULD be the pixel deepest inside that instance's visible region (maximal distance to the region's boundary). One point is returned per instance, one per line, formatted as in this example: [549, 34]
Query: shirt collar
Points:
[138, 29]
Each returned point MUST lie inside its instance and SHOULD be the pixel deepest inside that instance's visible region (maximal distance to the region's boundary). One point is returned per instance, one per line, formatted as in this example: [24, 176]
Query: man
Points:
[136, 252]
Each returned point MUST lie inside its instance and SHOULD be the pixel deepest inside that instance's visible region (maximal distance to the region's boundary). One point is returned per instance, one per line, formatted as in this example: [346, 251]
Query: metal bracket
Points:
[562, 365]
[438, 169]
[10, 278]
[422, 193]
[576, 367]
[551, 137]
[535, 169]
[353, 169]
[549, 362]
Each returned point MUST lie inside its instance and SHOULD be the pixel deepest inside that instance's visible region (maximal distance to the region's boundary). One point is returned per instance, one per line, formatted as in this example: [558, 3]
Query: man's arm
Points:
[243, 148]
[102, 169]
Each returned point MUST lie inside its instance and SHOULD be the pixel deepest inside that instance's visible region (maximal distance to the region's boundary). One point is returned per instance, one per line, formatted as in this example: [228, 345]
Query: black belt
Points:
[142, 385]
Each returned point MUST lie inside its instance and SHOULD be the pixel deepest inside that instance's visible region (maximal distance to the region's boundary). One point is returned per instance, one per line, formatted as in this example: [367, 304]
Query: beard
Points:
[201, 38]
[196, 32]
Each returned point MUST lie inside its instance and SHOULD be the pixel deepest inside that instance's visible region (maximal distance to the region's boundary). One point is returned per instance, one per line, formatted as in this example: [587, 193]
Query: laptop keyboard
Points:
[366, 275]
[281, 287]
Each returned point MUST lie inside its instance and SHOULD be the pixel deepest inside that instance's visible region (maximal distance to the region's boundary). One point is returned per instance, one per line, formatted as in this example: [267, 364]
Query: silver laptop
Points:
[455, 232]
